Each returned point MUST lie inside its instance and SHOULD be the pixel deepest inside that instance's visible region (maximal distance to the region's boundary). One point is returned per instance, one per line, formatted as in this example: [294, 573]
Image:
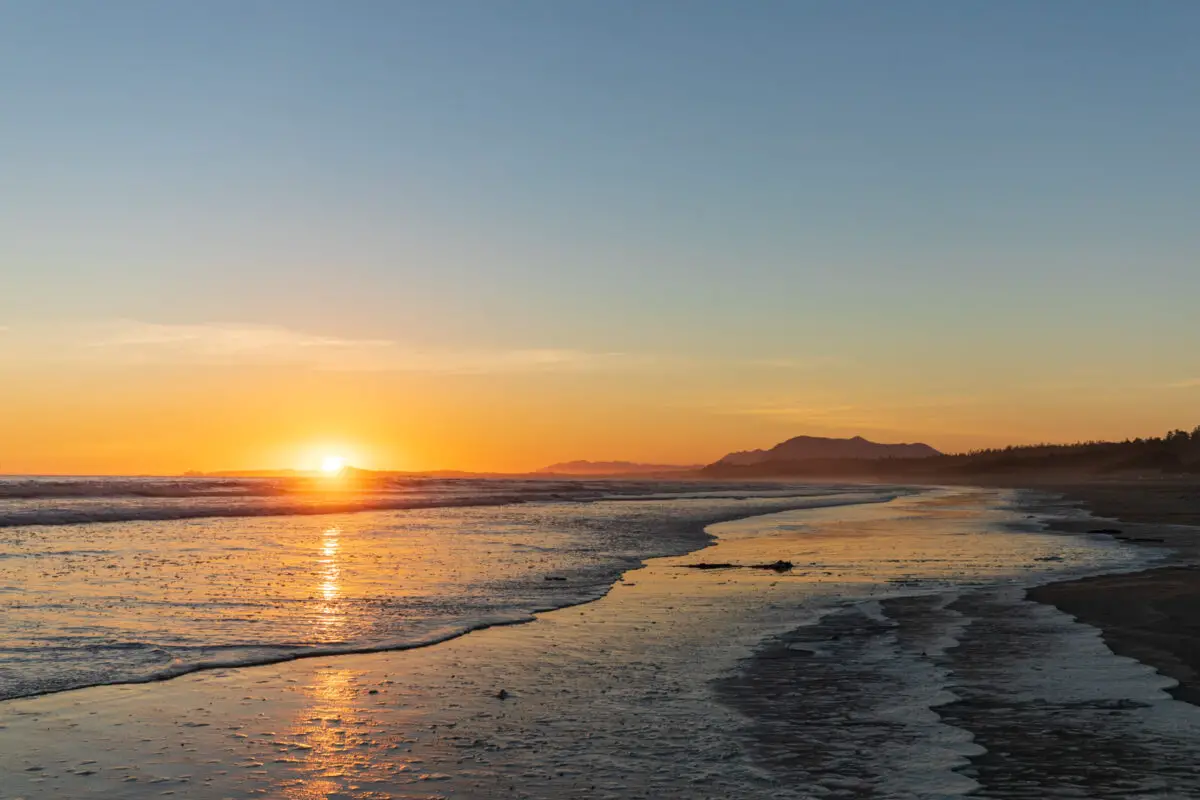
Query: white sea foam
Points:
[75, 501]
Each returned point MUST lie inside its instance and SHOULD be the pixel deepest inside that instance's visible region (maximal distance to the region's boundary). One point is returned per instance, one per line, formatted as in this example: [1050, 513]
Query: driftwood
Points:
[777, 566]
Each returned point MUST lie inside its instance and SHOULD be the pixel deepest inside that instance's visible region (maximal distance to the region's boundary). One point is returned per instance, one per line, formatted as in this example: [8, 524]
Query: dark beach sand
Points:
[1160, 502]
[1152, 616]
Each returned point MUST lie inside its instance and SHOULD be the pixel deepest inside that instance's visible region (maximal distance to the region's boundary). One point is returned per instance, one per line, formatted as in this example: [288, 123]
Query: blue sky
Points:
[960, 195]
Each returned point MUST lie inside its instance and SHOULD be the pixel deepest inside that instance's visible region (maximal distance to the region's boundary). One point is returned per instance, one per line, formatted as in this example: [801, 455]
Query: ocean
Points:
[896, 658]
[169, 576]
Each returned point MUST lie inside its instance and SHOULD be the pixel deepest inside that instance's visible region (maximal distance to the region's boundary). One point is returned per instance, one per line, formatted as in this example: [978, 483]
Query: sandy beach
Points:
[1153, 616]
[731, 683]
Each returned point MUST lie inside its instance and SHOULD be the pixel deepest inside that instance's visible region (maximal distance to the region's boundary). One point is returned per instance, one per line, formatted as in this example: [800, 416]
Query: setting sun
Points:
[332, 465]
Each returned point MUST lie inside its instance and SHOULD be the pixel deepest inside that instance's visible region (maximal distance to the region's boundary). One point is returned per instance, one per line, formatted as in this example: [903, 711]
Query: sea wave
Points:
[75, 501]
[147, 662]
[35, 488]
[59, 514]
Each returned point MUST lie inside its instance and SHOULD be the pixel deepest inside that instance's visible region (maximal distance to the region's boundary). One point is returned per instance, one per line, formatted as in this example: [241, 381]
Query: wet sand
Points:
[1034, 705]
[1031, 705]
[1154, 615]
[1165, 501]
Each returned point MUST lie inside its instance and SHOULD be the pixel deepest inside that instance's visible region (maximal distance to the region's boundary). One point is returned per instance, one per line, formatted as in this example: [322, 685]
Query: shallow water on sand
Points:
[664, 688]
[99, 603]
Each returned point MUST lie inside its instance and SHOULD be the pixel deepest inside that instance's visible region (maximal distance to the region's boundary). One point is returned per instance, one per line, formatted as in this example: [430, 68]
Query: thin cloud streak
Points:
[215, 344]
[231, 344]
[1191, 383]
[226, 338]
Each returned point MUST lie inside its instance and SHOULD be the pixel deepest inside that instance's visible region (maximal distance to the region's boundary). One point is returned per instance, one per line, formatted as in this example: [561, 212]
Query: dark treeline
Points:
[1175, 453]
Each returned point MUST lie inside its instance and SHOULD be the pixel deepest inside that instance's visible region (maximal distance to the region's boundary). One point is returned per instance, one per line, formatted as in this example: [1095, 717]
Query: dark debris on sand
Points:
[776, 566]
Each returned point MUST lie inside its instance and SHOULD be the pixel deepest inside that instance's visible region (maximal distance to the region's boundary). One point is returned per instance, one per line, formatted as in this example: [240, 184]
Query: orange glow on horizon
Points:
[167, 421]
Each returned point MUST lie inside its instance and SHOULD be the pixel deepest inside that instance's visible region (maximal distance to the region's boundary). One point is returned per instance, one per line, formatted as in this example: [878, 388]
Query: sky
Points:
[492, 235]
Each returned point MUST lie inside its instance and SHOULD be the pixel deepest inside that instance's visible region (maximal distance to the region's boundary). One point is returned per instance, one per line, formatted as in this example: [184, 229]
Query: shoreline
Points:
[1021, 687]
[547, 710]
[609, 699]
[677, 683]
[675, 539]
[1152, 615]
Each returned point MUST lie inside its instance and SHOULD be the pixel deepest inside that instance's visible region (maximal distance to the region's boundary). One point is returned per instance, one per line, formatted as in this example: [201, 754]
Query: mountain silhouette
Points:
[807, 448]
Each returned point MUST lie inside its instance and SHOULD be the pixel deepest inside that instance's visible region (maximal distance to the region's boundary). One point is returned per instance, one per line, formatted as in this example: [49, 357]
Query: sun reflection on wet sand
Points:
[338, 744]
[322, 728]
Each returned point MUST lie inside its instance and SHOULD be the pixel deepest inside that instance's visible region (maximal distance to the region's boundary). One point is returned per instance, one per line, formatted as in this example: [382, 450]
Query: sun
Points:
[332, 465]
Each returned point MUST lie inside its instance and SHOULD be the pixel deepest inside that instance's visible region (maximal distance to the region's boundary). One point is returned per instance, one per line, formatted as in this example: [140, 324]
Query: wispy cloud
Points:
[223, 338]
[242, 343]
[1190, 383]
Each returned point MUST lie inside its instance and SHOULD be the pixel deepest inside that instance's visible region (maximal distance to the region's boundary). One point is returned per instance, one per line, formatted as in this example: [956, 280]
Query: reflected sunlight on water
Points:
[330, 619]
[139, 600]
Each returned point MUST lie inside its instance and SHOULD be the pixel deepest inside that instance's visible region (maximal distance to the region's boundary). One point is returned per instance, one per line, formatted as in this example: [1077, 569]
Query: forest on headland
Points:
[1174, 453]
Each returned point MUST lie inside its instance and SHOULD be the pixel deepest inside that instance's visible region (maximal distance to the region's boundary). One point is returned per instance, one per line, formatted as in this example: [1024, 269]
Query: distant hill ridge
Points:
[612, 468]
[810, 448]
[1176, 453]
